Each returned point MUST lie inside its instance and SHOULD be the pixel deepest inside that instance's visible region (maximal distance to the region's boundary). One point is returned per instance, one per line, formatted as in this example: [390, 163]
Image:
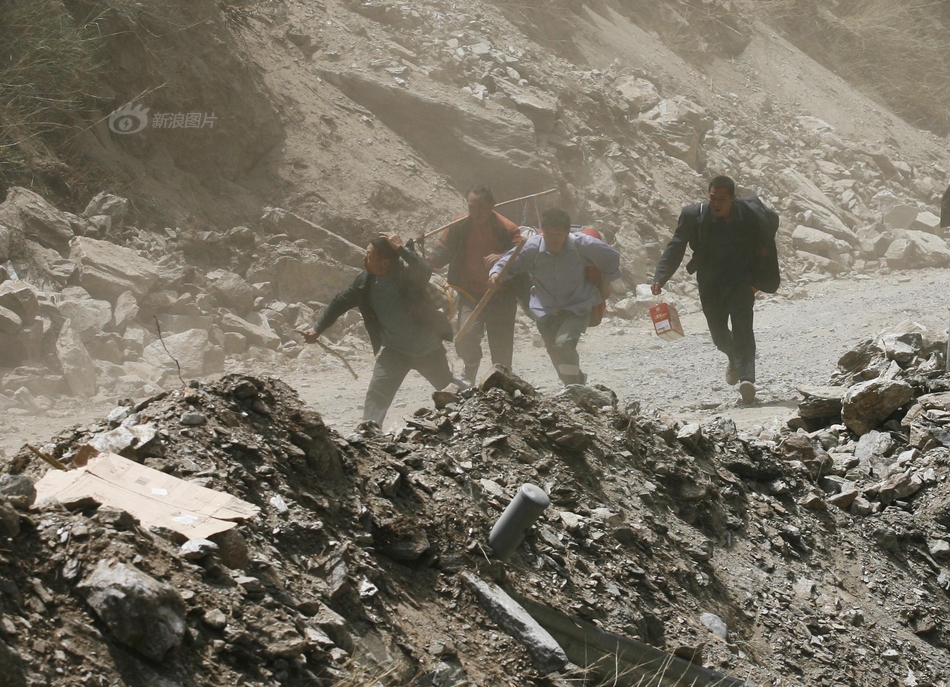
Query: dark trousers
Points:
[498, 321]
[722, 304]
[561, 333]
[391, 369]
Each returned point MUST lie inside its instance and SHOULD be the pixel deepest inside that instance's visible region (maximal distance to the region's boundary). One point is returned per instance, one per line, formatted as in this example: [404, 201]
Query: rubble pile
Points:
[369, 559]
[878, 435]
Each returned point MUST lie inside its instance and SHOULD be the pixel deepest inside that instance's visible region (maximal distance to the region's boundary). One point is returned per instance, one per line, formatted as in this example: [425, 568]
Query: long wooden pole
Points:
[497, 205]
[473, 318]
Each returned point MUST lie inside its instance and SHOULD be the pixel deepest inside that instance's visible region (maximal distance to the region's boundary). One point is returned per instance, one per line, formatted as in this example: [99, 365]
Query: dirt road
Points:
[800, 338]
[800, 334]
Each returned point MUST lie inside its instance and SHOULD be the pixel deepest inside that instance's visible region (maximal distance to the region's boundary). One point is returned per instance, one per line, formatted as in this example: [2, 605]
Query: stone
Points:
[539, 107]
[928, 250]
[715, 624]
[511, 617]
[678, 126]
[819, 242]
[901, 254]
[89, 316]
[215, 619]
[254, 334]
[501, 378]
[140, 612]
[10, 322]
[897, 486]
[231, 290]
[690, 435]
[109, 270]
[77, 364]
[821, 401]
[28, 216]
[940, 550]
[196, 549]
[126, 310]
[590, 398]
[234, 343]
[189, 348]
[18, 486]
[109, 204]
[844, 499]
[901, 216]
[867, 404]
[9, 520]
[441, 399]
[926, 222]
[637, 94]
[20, 298]
[232, 549]
[12, 666]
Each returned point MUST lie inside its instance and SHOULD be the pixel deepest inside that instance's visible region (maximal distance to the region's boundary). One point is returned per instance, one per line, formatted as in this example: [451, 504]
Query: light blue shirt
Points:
[560, 281]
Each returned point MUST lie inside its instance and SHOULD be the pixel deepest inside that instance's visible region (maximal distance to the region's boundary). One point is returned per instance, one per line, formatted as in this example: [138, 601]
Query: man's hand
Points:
[656, 288]
[490, 260]
[394, 239]
[494, 280]
[311, 336]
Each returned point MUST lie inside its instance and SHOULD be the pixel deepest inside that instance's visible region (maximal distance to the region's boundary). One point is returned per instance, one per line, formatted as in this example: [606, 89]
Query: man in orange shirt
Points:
[470, 248]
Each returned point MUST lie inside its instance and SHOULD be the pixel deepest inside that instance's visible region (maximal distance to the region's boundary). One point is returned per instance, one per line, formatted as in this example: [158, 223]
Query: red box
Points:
[666, 321]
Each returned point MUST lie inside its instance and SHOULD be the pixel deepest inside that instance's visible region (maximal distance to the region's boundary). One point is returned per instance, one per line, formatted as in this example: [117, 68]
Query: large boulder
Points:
[192, 349]
[77, 364]
[255, 334]
[231, 290]
[637, 94]
[89, 316]
[29, 216]
[454, 138]
[21, 298]
[818, 242]
[868, 404]
[140, 612]
[932, 251]
[678, 126]
[108, 270]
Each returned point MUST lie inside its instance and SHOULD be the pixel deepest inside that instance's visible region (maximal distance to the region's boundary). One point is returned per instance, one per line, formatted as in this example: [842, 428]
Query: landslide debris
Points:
[724, 548]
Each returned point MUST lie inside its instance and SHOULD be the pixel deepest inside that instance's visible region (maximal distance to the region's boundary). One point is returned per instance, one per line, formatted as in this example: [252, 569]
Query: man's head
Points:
[481, 203]
[380, 257]
[722, 193]
[555, 227]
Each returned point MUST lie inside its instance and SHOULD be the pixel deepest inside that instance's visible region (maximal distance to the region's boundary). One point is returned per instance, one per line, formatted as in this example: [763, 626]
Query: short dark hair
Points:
[384, 250]
[555, 218]
[482, 191]
[723, 182]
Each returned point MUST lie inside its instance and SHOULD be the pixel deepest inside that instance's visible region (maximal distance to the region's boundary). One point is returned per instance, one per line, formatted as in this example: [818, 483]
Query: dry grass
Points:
[896, 50]
[47, 65]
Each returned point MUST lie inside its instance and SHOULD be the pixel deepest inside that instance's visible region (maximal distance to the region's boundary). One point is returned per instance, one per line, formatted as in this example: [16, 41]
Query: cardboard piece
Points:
[155, 498]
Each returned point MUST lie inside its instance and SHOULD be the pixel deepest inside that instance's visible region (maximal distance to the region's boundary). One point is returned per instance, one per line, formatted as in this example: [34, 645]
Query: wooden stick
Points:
[473, 318]
[339, 355]
[497, 205]
[48, 458]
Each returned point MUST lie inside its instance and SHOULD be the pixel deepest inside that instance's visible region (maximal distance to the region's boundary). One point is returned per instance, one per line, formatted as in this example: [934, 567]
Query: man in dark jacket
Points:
[470, 248]
[405, 329]
[724, 235]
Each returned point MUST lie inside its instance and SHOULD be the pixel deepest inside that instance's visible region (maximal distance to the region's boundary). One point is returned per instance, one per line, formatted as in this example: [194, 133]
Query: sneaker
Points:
[732, 374]
[747, 391]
